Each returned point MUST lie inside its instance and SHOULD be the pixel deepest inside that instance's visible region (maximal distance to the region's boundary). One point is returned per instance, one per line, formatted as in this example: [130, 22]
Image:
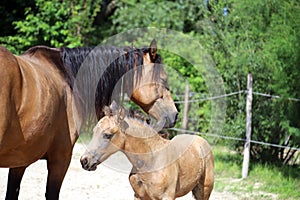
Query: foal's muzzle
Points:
[87, 163]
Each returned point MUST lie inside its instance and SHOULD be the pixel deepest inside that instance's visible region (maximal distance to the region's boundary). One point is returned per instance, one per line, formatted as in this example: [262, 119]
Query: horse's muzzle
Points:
[172, 119]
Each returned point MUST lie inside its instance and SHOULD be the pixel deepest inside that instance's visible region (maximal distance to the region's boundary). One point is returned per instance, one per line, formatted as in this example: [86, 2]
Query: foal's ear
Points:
[121, 114]
[113, 107]
[107, 111]
[122, 123]
[153, 50]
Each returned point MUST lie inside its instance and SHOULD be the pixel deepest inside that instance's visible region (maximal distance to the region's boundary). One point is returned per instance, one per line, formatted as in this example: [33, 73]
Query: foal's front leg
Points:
[15, 176]
[136, 197]
[137, 186]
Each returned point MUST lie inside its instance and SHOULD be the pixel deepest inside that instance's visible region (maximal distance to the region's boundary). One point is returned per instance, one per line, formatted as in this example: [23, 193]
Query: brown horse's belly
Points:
[18, 157]
[25, 146]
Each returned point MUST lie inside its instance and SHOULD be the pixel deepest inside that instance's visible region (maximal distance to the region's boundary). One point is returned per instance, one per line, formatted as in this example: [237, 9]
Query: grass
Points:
[265, 181]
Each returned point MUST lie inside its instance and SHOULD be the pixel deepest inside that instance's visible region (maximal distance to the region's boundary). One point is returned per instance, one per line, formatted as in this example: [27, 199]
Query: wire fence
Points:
[233, 94]
[230, 137]
[211, 98]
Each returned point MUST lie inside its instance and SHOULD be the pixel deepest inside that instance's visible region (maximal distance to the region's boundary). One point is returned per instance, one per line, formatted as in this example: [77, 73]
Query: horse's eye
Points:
[108, 136]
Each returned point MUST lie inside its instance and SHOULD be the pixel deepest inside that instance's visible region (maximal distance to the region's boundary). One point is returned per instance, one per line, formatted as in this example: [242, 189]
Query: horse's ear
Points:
[107, 111]
[114, 107]
[132, 46]
[153, 50]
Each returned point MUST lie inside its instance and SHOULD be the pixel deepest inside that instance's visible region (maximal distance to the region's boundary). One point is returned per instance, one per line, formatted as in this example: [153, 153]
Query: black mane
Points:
[102, 67]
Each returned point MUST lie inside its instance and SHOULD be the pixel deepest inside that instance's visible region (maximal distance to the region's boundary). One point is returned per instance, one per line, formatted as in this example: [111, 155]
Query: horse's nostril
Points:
[176, 117]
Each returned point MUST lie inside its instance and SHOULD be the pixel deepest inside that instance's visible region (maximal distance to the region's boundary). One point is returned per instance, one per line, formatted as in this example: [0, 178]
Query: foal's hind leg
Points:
[209, 176]
[198, 191]
[205, 185]
[13, 183]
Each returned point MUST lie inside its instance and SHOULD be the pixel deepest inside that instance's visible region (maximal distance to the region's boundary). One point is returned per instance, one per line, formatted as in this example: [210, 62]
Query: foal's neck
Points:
[141, 138]
[142, 144]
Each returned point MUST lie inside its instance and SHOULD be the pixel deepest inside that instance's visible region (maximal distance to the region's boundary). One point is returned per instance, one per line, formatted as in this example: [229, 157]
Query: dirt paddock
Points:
[107, 182]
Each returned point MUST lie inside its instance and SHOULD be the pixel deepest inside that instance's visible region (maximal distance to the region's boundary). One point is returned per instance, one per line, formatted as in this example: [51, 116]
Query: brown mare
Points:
[40, 105]
[162, 169]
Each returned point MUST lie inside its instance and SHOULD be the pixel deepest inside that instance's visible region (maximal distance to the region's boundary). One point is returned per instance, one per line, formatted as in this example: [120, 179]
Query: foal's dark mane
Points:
[138, 116]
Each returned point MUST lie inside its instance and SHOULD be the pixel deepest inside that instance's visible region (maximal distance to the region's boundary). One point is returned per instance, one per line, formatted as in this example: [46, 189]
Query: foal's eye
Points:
[108, 136]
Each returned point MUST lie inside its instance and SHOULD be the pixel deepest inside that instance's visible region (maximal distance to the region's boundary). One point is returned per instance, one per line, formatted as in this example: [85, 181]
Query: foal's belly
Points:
[186, 184]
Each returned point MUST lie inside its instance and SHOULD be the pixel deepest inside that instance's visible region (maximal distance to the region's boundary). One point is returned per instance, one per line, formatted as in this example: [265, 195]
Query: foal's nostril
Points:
[84, 162]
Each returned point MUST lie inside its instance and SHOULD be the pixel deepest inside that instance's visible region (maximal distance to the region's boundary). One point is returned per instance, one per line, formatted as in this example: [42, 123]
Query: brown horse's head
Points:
[102, 68]
[152, 93]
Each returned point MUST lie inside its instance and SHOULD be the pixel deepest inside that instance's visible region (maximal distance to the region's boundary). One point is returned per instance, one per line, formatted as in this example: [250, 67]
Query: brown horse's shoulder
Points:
[4, 50]
[44, 53]
[41, 49]
[6, 55]
[52, 56]
[9, 67]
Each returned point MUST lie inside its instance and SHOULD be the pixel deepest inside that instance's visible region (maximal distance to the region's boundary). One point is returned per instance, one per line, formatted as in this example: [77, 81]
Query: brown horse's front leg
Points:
[57, 167]
[15, 176]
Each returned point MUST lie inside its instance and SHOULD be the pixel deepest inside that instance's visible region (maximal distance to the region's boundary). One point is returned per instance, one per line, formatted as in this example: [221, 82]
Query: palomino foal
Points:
[162, 169]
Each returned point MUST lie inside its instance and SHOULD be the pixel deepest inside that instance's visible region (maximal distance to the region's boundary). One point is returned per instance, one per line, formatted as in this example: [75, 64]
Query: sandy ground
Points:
[109, 181]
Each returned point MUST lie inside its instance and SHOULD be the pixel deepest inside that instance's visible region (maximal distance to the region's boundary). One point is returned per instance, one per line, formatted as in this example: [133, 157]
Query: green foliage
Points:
[53, 23]
[262, 38]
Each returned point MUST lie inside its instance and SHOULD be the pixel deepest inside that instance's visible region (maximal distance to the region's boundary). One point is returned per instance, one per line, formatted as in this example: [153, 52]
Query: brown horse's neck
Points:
[142, 144]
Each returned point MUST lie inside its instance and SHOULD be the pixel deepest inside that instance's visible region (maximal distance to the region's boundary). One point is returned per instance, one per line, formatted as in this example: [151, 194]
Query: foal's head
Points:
[108, 138]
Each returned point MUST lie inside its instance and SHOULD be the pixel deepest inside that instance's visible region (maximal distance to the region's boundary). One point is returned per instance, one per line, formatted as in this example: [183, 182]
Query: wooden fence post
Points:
[248, 128]
[186, 107]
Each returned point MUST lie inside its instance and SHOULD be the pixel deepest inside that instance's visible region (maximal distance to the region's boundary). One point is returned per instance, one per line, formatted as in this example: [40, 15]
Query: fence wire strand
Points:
[233, 138]
[212, 98]
[232, 94]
